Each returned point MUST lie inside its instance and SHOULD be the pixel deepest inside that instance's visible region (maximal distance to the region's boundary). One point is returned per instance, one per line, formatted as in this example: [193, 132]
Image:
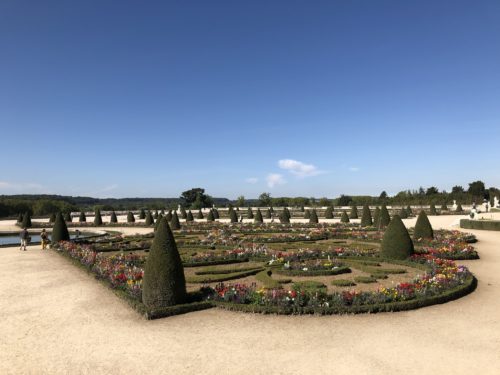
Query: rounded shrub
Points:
[82, 218]
[313, 218]
[59, 230]
[385, 218]
[423, 228]
[164, 283]
[149, 219]
[113, 218]
[354, 212]
[199, 215]
[26, 223]
[210, 216]
[329, 212]
[174, 223]
[258, 217]
[130, 217]
[366, 218]
[52, 218]
[344, 218]
[97, 217]
[249, 213]
[396, 243]
[67, 217]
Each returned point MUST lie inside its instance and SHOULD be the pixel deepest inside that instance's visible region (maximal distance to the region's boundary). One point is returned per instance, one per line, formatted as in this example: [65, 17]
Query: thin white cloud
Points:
[354, 169]
[20, 186]
[252, 180]
[274, 179]
[299, 168]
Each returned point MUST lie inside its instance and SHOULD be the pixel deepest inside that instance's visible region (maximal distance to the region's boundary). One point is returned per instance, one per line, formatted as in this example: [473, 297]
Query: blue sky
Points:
[143, 98]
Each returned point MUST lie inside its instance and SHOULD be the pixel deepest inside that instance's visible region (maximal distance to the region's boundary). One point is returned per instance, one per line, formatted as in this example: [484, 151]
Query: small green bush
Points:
[423, 228]
[385, 218]
[67, 217]
[284, 219]
[409, 210]
[59, 230]
[354, 212]
[365, 279]
[210, 216]
[249, 213]
[142, 214]
[216, 213]
[26, 223]
[343, 282]
[307, 214]
[168, 216]
[396, 243]
[308, 285]
[82, 218]
[329, 213]
[313, 217]
[403, 214]
[344, 218]
[113, 218]
[130, 217]
[200, 214]
[258, 217]
[149, 219]
[432, 210]
[97, 217]
[189, 216]
[52, 218]
[376, 217]
[459, 208]
[268, 214]
[174, 223]
[183, 212]
[233, 218]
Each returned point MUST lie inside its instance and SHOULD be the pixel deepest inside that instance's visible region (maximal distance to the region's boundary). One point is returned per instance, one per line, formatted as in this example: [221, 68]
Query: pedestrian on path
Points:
[25, 236]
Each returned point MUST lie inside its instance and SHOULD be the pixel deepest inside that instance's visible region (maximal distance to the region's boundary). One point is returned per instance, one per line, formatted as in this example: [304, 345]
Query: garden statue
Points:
[486, 205]
[454, 205]
[495, 202]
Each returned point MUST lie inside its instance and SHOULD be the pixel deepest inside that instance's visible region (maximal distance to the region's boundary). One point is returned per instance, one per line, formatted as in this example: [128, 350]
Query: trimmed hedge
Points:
[396, 242]
[480, 224]
[423, 228]
[336, 271]
[354, 212]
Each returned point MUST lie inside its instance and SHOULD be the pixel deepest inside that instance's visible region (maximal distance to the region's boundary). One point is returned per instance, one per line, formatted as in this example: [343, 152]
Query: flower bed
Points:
[318, 267]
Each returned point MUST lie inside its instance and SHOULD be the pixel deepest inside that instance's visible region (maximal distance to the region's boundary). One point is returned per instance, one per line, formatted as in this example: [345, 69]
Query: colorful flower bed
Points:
[314, 267]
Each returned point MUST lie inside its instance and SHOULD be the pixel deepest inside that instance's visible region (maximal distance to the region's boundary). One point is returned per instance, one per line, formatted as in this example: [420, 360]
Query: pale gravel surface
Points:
[55, 319]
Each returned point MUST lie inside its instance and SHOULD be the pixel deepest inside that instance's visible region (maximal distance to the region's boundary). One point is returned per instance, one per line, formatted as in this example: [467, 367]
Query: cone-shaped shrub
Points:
[162, 212]
[163, 284]
[249, 213]
[183, 212]
[20, 218]
[268, 213]
[376, 217]
[396, 243]
[59, 230]
[149, 219]
[403, 214]
[82, 218]
[169, 215]
[67, 217]
[210, 216]
[329, 213]
[232, 215]
[189, 216]
[200, 215]
[174, 223]
[284, 219]
[97, 218]
[302, 209]
[155, 216]
[258, 217]
[366, 218]
[52, 218]
[354, 212]
[444, 207]
[432, 210]
[385, 218]
[423, 228]
[271, 210]
[160, 216]
[344, 218]
[313, 218]
[142, 214]
[216, 213]
[113, 218]
[459, 208]
[307, 214]
[26, 223]
[130, 217]
[409, 211]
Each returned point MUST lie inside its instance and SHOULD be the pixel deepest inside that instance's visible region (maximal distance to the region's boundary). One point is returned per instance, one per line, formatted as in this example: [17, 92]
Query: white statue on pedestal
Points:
[179, 208]
[495, 202]
[454, 205]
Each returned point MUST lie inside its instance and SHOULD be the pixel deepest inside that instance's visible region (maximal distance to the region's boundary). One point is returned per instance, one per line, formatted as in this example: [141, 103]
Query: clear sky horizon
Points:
[129, 98]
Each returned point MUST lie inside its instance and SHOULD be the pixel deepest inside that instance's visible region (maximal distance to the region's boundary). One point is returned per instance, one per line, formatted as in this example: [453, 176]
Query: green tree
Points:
[396, 243]
[189, 216]
[52, 218]
[168, 216]
[344, 218]
[376, 217]
[354, 212]
[268, 213]
[258, 217]
[249, 213]
[432, 210]
[183, 212]
[366, 218]
[477, 189]
[240, 201]
[200, 215]
[164, 283]
[97, 217]
[82, 218]
[130, 217]
[423, 228]
[67, 217]
[174, 223]
[26, 223]
[329, 212]
[142, 214]
[59, 230]
[265, 199]
[216, 213]
[385, 218]
[113, 218]
[313, 219]
[210, 216]
[149, 219]
[232, 215]
[196, 198]
[307, 214]
[344, 200]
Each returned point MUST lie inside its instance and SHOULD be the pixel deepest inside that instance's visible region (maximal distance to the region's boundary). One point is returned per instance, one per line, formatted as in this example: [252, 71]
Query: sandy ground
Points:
[55, 319]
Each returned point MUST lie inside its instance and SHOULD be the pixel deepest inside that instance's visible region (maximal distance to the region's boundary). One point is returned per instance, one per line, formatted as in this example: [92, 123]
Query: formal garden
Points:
[281, 267]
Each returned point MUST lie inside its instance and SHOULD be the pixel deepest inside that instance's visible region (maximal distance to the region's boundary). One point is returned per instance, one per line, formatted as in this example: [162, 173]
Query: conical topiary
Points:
[168, 216]
[160, 216]
[344, 218]
[329, 213]
[385, 218]
[162, 212]
[423, 228]
[444, 207]
[183, 212]
[459, 208]
[82, 218]
[216, 213]
[313, 218]
[149, 219]
[52, 218]
[396, 243]
[249, 213]
[233, 218]
[354, 212]
[200, 215]
[432, 210]
[284, 219]
[97, 218]
[366, 218]
[403, 214]
[26, 223]
[142, 214]
[302, 209]
[163, 283]
[189, 216]
[113, 218]
[210, 216]
[67, 217]
[130, 217]
[307, 214]
[258, 217]
[155, 216]
[376, 217]
[59, 230]
[409, 211]
[288, 214]
[268, 214]
[174, 223]
[20, 218]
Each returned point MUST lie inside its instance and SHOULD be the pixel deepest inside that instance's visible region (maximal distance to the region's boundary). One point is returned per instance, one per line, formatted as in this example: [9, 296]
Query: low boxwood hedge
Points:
[336, 271]
[480, 224]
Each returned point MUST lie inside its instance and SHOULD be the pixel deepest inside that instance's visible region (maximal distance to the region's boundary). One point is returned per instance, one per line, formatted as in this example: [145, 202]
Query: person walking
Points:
[24, 239]
[44, 239]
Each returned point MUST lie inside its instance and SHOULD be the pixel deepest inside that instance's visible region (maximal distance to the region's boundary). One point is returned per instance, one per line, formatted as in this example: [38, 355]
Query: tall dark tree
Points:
[385, 218]
[366, 218]
[376, 217]
[113, 218]
[249, 213]
[164, 283]
[268, 214]
[432, 210]
[97, 217]
[200, 215]
[232, 215]
[196, 198]
[168, 216]
[396, 243]
[142, 214]
[258, 217]
[210, 216]
[59, 230]
[52, 218]
[82, 218]
[307, 214]
[26, 223]
[183, 212]
[216, 213]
